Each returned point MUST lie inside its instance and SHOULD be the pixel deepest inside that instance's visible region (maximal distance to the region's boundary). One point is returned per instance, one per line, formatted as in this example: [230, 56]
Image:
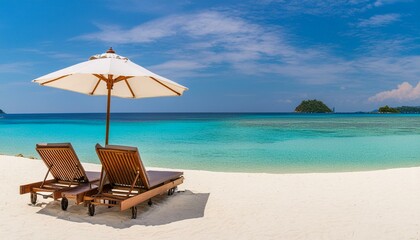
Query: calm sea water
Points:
[276, 143]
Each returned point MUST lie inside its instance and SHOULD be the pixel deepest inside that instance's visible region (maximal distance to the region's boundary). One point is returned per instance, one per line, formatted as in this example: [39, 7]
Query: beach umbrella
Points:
[111, 75]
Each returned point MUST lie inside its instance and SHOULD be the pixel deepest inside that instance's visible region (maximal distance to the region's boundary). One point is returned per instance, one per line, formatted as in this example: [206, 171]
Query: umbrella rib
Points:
[94, 89]
[177, 93]
[55, 79]
[129, 87]
[102, 77]
[121, 78]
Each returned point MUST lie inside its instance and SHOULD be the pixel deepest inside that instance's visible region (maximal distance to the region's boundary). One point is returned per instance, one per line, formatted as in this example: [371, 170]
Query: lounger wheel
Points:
[64, 203]
[171, 191]
[91, 209]
[150, 202]
[33, 198]
[133, 212]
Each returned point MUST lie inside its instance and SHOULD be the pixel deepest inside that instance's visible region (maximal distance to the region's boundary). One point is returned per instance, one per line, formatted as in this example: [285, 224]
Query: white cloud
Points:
[389, 67]
[210, 38]
[226, 42]
[328, 7]
[284, 100]
[144, 33]
[14, 67]
[404, 92]
[52, 54]
[379, 20]
[343, 8]
[217, 38]
[155, 7]
[197, 25]
[180, 64]
[320, 7]
[391, 46]
[379, 3]
[179, 68]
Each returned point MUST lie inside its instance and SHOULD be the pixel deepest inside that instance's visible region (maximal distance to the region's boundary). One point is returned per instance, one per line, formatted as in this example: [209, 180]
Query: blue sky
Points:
[235, 56]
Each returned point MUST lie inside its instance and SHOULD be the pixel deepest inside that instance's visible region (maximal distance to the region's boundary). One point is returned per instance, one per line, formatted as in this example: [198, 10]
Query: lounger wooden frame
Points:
[129, 183]
[70, 180]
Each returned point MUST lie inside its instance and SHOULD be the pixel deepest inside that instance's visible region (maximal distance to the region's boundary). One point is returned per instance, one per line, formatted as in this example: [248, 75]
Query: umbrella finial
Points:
[109, 54]
[110, 50]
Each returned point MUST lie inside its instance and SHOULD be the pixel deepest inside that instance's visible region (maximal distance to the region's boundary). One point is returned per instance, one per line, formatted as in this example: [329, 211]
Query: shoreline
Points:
[347, 170]
[380, 204]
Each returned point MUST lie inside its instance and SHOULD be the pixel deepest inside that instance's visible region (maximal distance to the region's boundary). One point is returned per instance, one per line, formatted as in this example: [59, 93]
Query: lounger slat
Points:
[71, 166]
[60, 171]
[53, 159]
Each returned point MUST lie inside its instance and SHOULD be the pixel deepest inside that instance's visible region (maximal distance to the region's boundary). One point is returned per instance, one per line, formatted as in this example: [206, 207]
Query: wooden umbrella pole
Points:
[107, 116]
[108, 107]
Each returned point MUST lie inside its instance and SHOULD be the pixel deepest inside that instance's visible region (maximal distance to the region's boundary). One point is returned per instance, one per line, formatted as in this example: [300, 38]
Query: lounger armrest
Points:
[27, 188]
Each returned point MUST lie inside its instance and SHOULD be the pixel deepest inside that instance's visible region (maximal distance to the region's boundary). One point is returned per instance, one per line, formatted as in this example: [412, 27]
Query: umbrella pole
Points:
[108, 108]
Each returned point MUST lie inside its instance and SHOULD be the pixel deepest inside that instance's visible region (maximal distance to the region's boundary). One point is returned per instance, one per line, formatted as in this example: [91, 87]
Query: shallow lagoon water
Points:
[274, 143]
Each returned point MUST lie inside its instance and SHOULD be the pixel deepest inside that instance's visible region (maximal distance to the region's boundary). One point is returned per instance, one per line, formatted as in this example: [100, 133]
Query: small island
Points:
[387, 109]
[312, 106]
[2, 112]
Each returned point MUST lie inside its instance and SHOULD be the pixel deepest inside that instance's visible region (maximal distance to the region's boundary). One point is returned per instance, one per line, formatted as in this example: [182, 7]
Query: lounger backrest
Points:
[121, 165]
[63, 161]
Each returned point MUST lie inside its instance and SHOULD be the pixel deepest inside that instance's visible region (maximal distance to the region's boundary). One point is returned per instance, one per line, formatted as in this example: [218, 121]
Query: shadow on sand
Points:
[180, 206]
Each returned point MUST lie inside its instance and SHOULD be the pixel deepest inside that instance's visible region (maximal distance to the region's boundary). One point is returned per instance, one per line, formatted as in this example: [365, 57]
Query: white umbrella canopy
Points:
[128, 79]
[111, 75]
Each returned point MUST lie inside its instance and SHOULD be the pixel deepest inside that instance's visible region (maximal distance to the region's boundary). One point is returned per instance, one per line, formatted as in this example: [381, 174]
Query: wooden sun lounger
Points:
[70, 180]
[129, 182]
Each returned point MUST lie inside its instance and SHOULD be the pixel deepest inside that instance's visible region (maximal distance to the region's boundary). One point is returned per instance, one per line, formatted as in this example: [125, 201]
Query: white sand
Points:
[211, 205]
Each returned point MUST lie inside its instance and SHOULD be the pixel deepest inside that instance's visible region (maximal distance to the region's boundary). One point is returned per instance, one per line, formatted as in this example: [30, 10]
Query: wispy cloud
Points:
[210, 38]
[380, 70]
[180, 68]
[203, 24]
[379, 3]
[51, 54]
[319, 7]
[222, 41]
[155, 7]
[328, 7]
[16, 67]
[389, 47]
[324, 8]
[404, 92]
[379, 20]
[227, 41]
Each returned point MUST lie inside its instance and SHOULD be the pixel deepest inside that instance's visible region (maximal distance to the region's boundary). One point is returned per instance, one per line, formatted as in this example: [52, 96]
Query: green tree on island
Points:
[312, 106]
[387, 109]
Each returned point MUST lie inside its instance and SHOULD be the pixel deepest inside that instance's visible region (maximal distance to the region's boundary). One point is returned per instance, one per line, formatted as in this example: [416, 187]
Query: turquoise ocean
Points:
[230, 142]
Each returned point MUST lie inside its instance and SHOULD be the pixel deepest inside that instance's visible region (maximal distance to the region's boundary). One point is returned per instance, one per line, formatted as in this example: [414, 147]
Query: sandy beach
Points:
[211, 205]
